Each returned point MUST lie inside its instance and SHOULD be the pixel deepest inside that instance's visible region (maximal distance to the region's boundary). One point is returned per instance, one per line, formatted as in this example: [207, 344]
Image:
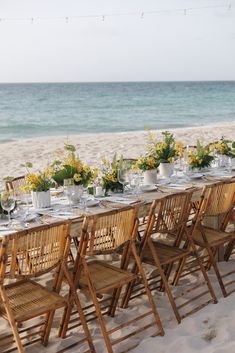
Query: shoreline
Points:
[174, 130]
[92, 147]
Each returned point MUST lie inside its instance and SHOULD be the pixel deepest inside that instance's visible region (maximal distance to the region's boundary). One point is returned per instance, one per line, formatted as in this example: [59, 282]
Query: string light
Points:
[103, 17]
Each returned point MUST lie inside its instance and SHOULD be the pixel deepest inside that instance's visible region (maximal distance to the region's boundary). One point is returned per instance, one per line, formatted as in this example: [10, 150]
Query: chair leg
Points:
[100, 318]
[165, 281]
[65, 321]
[74, 298]
[11, 320]
[148, 291]
[229, 250]
[47, 327]
[128, 291]
[219, 278]
[114, 302]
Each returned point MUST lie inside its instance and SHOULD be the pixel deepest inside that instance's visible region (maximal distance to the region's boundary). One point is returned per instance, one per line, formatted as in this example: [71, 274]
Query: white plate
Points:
[148, 187]
[92, 203]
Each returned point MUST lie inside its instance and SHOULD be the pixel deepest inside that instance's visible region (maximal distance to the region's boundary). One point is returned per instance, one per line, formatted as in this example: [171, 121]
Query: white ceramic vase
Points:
[41, 199]
[150, 176]
[166, 170]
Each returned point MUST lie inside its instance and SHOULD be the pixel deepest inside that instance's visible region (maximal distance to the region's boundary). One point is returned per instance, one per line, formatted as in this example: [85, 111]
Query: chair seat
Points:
[28, 299]
[166, 253]
[213, 236]
[105, 277]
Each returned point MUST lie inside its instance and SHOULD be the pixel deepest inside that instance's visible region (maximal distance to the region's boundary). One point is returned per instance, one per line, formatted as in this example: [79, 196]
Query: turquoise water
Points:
[28, 110]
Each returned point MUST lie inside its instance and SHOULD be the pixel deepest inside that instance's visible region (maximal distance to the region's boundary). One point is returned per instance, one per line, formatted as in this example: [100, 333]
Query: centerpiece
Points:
[70, 167]
[224, 149]
[39, 183]
[200, 158]
[148, 164]
[109, 174]
[164, 152]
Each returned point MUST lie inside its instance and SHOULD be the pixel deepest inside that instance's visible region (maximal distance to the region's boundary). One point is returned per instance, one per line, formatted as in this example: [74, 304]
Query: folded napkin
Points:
[179, 186]
[123, 200]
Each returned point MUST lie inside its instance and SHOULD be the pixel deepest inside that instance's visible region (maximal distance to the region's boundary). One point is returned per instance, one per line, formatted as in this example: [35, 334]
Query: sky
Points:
[169, 46]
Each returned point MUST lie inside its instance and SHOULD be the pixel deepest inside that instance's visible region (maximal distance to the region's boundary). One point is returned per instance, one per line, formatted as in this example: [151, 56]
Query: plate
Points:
[148, 187]
[92, 203]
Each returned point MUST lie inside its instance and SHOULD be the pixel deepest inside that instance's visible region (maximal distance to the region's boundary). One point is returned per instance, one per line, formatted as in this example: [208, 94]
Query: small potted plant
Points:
[224, 149]
[164, 152]
[200, 158]
[109, 175]
[39, 183]
[148, 164]
[70, 167]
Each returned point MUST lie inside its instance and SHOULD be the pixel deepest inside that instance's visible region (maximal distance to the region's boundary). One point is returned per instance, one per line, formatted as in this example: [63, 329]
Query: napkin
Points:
[123, 200]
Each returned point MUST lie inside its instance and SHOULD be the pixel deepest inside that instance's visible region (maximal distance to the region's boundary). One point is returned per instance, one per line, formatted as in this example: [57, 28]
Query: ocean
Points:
[45, 109]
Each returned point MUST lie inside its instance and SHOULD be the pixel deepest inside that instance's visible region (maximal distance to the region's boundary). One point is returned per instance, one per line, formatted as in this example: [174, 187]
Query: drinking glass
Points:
[84, 197]
[68, 190]
[134, 182]
[123, 177]
[8, 203]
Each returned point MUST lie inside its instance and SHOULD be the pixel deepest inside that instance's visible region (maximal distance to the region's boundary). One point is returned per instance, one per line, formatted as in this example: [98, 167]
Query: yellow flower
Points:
[77, 177]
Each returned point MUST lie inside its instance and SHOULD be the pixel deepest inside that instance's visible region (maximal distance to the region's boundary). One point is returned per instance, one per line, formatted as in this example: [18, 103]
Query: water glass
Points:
[68, 190]
[84, 197]
[8, 203]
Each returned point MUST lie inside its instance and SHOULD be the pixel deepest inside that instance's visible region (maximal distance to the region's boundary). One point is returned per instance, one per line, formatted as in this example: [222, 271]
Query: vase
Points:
[150, 176]
[41, 199]
[166, 169]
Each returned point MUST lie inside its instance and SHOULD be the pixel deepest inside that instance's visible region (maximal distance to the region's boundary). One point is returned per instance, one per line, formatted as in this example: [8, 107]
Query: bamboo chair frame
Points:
[106, 234]
[170, 216]
[34, 253]
[217, 200]
[15, 184]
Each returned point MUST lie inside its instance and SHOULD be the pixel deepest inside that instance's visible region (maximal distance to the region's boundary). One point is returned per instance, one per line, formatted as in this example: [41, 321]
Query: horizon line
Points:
[92, 82]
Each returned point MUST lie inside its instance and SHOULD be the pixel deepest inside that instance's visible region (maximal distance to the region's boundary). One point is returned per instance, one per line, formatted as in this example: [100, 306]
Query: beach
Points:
[92, 147]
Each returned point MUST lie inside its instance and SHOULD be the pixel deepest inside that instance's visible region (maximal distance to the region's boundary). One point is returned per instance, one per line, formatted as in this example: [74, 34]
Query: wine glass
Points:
[68, 190]
[122, 176]
[8, 203]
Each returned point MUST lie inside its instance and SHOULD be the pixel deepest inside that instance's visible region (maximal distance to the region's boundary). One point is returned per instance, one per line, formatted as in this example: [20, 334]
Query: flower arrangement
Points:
[223, 147]
[147, 162]
[200, 158]
[38, 181]
[71, 167]
[165, 150]
[109, 174]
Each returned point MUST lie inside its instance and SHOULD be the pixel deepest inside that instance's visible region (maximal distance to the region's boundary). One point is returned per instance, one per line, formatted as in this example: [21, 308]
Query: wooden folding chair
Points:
[209, 230]
[33, 253]
[168, 217]
[104, 234]
[15, 184]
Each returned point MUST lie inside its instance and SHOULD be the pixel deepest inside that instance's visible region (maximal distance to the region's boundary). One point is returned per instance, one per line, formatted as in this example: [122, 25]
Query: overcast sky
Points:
[159, 47]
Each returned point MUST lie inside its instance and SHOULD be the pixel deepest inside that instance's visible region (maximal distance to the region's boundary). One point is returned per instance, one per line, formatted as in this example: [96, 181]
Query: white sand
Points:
[91, 147]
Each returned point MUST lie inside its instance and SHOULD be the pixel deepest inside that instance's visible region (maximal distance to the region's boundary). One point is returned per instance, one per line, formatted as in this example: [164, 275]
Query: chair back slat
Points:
[172, 213]
[15, 184]
[218, 199]
[105, 233]
[34, 252]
